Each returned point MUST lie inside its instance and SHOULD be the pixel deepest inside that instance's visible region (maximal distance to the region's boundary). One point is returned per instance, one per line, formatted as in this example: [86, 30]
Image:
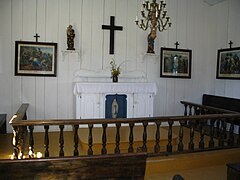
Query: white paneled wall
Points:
[195, 25]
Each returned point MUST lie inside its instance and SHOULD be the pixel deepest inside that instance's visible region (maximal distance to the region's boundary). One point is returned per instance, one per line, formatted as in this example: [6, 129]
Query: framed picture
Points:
[35, 58]
[228, 63]
[175, 63]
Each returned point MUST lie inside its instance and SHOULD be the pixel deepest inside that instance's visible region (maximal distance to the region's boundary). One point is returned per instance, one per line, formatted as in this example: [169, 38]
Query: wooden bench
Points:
[3, 123]
[117, 166]
[227, 103]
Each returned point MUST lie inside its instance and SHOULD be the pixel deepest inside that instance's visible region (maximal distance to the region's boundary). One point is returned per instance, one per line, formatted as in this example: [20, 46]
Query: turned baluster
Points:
[180, 144]
[231, 134]
[191, 143]
[46, 141]
[185, 109]
[196, 112]
[31, 142]
[130, 148]
[190, 110]
[218, 127]
[185, 112]
[144, 147]
[75, 152]
[104, 139]
[211, 142]
[157, 145]
[169, 145]
[220, 136]
[90, 139]
[61, 141]
[238, 140]
[117, 148]
[224, 125]
[15, 142]
[202, 131]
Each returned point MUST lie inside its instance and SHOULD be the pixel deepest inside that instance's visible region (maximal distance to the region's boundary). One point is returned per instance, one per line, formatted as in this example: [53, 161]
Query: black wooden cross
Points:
[36, 36]
[112, 28]
[230, 44]
[177, 44]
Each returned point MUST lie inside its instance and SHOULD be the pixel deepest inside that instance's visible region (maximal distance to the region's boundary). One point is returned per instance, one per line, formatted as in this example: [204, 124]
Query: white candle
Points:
[136, 18]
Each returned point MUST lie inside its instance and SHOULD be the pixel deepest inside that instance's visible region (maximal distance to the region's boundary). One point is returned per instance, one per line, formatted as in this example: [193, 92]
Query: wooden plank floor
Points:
[211, 172]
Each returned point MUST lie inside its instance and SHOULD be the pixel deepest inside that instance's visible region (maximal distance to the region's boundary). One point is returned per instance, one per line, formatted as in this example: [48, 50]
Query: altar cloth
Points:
[80, 87]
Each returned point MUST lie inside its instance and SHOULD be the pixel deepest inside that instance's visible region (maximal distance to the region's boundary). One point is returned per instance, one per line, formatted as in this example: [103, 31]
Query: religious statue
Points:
[70, 38]
[151, 36]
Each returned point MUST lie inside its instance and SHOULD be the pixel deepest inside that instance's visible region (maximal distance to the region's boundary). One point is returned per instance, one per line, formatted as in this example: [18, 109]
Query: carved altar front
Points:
[91, 98]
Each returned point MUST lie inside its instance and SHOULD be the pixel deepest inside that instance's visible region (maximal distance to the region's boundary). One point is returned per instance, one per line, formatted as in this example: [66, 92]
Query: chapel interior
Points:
[109, 90]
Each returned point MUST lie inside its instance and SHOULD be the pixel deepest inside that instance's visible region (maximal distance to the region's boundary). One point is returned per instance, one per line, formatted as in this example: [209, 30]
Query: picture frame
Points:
[35, 58]
[175, 63]
[228, 63]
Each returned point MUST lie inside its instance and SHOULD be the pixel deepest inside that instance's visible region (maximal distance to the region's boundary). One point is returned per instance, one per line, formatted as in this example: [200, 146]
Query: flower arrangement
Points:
[115, 71]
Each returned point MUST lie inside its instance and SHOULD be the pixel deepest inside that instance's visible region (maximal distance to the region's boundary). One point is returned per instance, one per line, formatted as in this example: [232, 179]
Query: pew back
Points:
[227, 103]
[118, 166]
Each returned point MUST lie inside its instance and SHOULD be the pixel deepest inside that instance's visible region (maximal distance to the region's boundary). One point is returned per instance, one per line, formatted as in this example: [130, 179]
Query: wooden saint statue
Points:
[70, 38]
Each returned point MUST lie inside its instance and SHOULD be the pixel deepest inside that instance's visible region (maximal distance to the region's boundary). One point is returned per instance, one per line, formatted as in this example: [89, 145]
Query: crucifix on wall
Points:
[112, 29]
[36, 36]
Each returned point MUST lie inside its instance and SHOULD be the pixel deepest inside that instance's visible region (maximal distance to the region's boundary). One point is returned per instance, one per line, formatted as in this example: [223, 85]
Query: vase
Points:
[115, 79]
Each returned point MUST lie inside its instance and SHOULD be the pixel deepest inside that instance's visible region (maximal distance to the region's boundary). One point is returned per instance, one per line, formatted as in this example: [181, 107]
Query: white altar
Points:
[90, 98]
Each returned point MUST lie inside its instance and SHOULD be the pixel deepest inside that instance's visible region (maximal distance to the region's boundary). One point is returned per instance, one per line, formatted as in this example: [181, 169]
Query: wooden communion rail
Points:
[212, 127]
[207, 124]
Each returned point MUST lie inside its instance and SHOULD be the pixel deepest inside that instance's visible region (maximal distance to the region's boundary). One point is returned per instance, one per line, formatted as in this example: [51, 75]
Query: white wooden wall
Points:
[196, 26]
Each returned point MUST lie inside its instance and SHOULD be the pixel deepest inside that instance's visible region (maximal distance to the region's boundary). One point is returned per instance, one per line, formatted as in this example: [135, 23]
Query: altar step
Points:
[124, 138]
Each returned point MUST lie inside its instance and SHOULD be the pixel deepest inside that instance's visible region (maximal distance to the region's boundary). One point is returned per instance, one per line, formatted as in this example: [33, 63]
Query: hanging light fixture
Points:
[154, 16]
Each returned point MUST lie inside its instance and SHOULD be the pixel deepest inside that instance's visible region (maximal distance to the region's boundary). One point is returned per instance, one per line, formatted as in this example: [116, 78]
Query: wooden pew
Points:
[117, 166]
[231, 104]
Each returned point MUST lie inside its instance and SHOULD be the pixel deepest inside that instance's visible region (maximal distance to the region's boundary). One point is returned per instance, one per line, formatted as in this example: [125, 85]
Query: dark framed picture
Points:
[35, 58]
[175, 63]
[228, 63]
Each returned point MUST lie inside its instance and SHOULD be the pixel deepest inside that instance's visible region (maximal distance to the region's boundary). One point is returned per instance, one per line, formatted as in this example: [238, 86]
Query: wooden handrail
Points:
[208, 107]
[120, 120]
[21, 114]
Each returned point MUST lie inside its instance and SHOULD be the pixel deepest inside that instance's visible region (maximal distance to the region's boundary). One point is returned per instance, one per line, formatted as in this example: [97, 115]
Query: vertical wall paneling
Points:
[121, 36]
[87, 33]
[16, 35]
[231, 86]
[97, 38]
[222, 11]
[170, 84]
[74, 59]
[29, 30]
[40, 81]
[131, 38]
[64, 60]
[181, 38]
[141, 41]
[195, 24]
[5, 66]
[52, 33]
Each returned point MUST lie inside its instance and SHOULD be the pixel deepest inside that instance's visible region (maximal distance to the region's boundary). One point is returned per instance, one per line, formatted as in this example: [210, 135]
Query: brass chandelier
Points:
[154, 16]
